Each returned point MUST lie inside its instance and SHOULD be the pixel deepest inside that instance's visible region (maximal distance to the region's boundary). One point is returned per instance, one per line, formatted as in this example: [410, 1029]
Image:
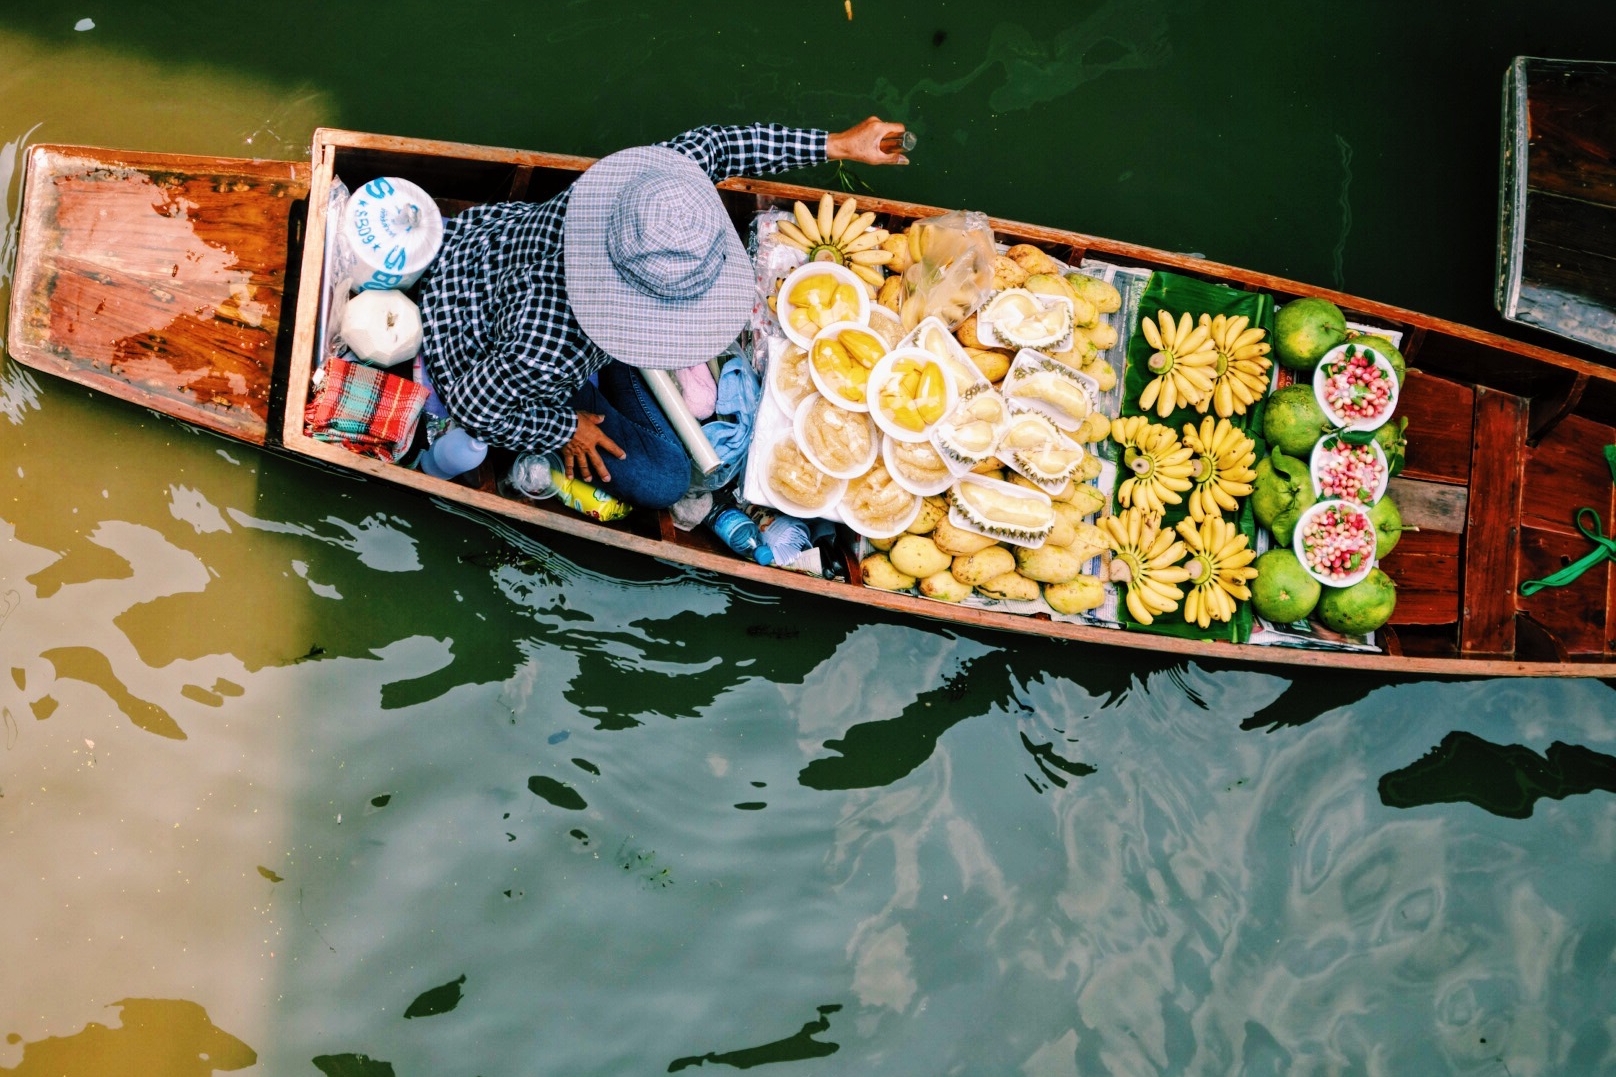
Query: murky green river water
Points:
[300, 775]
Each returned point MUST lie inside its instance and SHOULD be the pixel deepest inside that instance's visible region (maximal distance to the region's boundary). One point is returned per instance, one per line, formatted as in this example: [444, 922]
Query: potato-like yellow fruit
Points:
[918, 556]
[983, 565]
[932, 511]
[945, 588]
[891, 294]
[958, 542]
[1006, 273]
[1087, 498]
[883, 544]
[1033, 260]
[1076, 595]
[879, 573]
[1012, 586]
[1048, 564]
[992, 363]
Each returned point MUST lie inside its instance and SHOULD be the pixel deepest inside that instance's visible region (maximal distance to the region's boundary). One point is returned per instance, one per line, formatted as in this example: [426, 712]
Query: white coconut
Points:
[382, 327]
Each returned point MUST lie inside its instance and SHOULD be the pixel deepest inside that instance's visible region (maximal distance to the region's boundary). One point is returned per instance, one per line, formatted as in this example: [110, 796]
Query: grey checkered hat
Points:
[655, 272]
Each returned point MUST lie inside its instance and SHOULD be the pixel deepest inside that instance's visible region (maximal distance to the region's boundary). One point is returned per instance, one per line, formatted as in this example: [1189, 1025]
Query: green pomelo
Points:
[1393, 439]
[1283, 591]
[1282, 490]
[1387, 349]
[1388, 521]
[1361, 608]
[1293, 420]
[1304, 329]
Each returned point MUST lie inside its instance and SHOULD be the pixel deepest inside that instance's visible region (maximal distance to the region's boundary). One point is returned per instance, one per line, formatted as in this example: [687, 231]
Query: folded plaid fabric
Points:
[369, 411]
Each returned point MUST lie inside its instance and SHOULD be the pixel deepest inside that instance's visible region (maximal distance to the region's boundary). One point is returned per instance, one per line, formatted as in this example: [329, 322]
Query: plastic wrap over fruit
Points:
[952, 270]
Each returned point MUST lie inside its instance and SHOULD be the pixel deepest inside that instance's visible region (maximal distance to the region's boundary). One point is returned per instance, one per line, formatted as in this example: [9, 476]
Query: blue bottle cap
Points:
[763, 555]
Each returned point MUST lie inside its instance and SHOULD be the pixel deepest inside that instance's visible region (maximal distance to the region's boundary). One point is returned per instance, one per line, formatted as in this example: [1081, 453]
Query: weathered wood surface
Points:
[1557, 257]
[1492, 533]
[158, 278]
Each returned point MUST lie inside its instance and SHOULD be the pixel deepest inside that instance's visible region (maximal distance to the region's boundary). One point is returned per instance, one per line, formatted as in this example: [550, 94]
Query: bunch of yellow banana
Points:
[1222, 469]
[1159, 463]
[841, 235]
[1147, 558]
[1217, 571]
[1183, 363]
[1240, 375]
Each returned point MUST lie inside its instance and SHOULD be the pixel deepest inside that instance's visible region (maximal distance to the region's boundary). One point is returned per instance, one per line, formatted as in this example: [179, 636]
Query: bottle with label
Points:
[540, 475]
[737, 531]
[454, 453]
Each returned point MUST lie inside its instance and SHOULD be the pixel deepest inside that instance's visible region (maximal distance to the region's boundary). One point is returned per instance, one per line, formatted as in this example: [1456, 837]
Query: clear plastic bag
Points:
[952, 270]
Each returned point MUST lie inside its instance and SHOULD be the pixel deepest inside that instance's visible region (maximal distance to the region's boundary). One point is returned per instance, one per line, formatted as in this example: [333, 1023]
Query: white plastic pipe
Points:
[666, 390]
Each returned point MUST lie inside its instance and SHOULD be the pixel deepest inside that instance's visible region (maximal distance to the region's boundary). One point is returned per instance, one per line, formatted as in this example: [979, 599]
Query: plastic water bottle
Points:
[737, 531]
[786, 537]
[540, 475]
[454, 453]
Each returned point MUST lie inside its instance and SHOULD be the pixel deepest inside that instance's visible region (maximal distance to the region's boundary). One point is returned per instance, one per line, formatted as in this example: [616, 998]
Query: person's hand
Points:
[863, 143]
[582, 455]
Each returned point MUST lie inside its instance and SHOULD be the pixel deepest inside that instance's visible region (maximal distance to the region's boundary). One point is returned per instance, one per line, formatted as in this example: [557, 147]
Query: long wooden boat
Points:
[189, 286]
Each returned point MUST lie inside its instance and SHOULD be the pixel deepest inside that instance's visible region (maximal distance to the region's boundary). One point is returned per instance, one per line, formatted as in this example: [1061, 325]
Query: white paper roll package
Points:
[394, 230]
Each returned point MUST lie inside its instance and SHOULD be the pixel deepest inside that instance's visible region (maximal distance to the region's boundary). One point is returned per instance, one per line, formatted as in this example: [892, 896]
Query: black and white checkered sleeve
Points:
[753, 150]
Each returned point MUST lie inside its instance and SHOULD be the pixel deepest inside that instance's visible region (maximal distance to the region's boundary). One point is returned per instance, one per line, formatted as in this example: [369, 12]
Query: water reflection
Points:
[155, 1037]
[791, 1049]
[1505, 779]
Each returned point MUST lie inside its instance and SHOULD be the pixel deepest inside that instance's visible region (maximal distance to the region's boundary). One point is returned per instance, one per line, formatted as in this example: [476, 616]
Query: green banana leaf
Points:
[1178, 294]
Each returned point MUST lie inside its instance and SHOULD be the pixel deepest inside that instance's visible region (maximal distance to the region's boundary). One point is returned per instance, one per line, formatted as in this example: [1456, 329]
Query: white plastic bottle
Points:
[454, 453]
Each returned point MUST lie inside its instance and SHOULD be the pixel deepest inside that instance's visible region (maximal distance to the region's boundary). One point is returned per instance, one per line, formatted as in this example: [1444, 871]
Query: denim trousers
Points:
[656, 472]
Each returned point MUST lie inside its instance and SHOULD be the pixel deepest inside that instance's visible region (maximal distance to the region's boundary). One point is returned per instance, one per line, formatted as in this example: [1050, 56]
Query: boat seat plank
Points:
[1430, 506]
[1487, 624]
[1441, 417]
[159, 279]
[1425, 565]
[1575, 613]
[1564, 472]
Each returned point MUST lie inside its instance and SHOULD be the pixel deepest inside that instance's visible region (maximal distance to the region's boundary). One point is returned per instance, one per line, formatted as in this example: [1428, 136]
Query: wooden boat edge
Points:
[297, 444]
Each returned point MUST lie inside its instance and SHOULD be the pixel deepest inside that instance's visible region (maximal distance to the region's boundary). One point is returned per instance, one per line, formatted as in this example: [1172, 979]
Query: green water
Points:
[301, 775]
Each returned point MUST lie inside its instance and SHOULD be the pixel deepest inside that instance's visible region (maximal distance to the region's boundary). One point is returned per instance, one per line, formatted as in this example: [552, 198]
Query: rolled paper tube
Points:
[666, 390]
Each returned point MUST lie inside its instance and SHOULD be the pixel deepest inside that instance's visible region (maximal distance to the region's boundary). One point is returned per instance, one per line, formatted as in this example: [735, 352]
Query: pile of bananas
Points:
[841, 235]
[1146, 559]
[1240, 374]
[1160, 465]
[1183, 362]
[1219, 566]
[1222, 470]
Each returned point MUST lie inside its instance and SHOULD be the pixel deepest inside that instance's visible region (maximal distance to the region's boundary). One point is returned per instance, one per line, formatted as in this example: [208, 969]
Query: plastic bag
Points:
[952, 270]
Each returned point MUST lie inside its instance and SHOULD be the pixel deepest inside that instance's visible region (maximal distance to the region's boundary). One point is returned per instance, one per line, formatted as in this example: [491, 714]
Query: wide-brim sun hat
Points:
[656, 274]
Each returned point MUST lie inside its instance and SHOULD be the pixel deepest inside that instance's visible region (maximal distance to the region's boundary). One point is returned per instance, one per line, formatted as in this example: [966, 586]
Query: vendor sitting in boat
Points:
[636, 262]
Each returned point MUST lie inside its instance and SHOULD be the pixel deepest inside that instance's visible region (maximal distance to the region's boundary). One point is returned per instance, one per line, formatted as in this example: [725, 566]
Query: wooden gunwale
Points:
[694, 551]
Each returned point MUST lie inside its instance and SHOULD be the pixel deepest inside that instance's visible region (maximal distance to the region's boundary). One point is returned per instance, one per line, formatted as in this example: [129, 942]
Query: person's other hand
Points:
[582, 455]
[863, 143]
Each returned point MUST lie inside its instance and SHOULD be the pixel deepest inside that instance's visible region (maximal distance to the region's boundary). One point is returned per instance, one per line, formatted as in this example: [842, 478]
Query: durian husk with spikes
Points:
[1222, 470]
[1145, 559]
[1240, 372]
[1158, 466]
[1217, 570]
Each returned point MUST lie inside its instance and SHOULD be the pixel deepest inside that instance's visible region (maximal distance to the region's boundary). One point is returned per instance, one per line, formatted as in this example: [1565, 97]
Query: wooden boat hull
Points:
[1506, 436]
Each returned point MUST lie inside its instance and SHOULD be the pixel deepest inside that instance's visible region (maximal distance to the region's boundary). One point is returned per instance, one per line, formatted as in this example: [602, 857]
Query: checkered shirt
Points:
[499, 338]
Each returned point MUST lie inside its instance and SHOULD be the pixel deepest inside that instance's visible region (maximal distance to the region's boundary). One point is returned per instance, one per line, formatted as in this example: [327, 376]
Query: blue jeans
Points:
[656, 472]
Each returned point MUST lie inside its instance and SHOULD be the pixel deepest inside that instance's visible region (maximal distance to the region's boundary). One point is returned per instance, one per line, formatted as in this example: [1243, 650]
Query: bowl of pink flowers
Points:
[1356, 386]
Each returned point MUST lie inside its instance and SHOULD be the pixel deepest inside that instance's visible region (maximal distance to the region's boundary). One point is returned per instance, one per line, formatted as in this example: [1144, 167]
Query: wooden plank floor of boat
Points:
[158, 279]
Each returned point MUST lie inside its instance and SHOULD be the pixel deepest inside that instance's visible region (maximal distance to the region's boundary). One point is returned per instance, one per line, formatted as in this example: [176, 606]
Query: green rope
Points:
[1604, 547]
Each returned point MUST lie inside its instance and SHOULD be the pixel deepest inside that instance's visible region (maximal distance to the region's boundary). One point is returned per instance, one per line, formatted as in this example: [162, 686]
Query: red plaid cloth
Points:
[368, 410]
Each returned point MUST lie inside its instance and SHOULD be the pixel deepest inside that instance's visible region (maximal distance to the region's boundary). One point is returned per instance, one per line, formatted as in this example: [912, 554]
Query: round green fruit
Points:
[1293, 420]
[1283, 591]
[1388, 521]
[1361, 608]
[1393, 438]
[1304, 329]
[1280, 493]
